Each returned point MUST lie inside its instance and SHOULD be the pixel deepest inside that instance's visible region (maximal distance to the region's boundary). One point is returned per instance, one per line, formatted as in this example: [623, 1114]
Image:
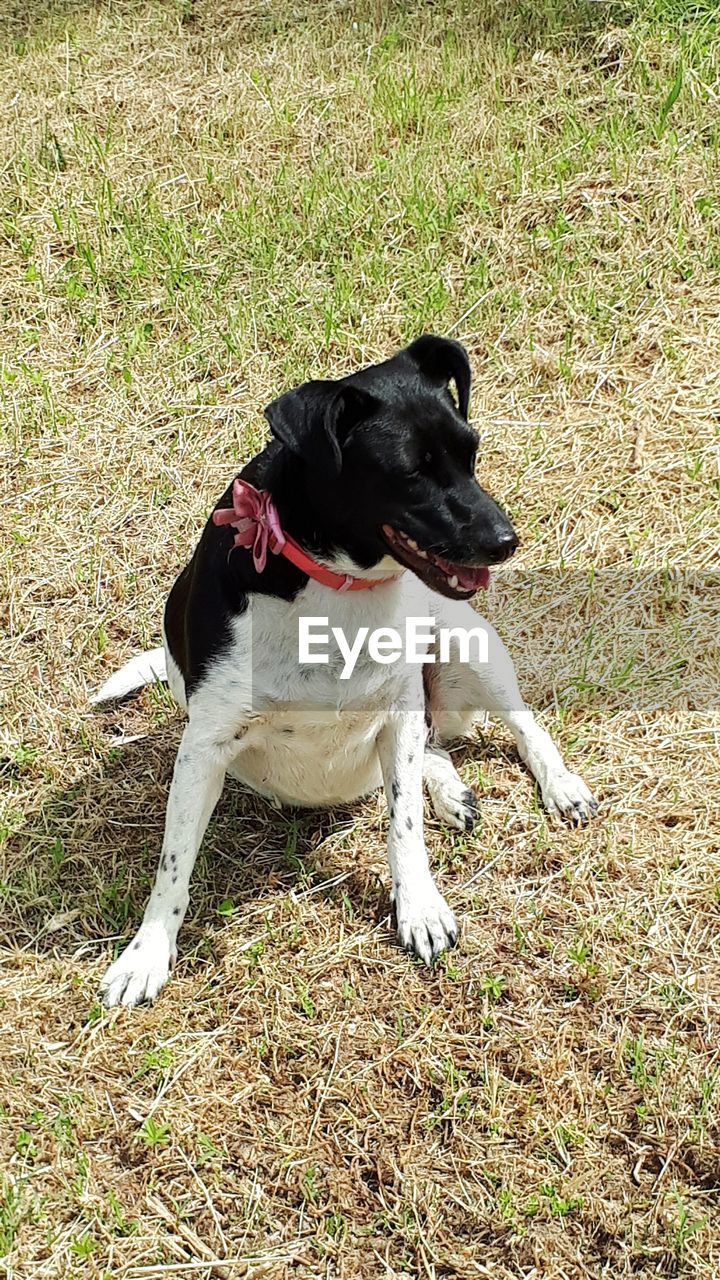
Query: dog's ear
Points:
[316, 419]
[441, 359]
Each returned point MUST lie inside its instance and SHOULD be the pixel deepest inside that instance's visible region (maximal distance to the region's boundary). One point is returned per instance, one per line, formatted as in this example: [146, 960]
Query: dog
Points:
[363, 510]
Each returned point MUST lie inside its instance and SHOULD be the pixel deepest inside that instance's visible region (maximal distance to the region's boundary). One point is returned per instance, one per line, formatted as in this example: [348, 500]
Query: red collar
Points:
[255, 518]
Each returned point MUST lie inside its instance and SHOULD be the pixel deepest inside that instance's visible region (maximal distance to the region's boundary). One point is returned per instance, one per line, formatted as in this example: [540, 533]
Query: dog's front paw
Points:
[566, 796]
[454, 803]
[425, 923]
[141, 971]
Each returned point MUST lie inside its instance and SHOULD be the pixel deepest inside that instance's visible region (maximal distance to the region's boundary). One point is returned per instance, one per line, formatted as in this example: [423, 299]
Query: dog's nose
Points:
[503, 545]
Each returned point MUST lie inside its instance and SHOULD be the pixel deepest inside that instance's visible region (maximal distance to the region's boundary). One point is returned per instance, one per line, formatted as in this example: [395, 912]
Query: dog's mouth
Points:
[459, 581]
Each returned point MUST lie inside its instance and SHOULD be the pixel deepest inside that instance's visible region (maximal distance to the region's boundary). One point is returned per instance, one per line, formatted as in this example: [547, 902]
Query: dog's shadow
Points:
[567, 25]
[80, 869]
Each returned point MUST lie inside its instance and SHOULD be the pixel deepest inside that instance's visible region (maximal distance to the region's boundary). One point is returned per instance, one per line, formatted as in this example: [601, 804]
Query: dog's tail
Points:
[136, 673]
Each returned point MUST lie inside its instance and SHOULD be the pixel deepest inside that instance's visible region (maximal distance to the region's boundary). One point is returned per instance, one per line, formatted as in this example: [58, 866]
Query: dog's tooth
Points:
[453, 582]
[412, 543]
[422, 554]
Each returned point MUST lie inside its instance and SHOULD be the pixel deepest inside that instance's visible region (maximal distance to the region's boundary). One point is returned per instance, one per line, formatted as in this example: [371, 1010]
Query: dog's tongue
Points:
[473, 579]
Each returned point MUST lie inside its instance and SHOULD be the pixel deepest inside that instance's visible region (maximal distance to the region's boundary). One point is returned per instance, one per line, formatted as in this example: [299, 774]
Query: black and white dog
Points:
[363, 511]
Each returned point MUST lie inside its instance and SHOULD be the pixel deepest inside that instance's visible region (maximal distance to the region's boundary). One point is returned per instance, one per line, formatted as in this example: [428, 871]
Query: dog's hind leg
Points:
[453, 801]
[458, 689]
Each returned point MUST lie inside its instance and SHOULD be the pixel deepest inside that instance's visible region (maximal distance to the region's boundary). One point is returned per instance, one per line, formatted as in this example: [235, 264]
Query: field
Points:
[201, 204]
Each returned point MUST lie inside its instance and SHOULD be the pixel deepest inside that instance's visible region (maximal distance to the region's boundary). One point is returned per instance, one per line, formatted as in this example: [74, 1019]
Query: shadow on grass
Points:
[636, 651]
[82, 865]
[526, 24]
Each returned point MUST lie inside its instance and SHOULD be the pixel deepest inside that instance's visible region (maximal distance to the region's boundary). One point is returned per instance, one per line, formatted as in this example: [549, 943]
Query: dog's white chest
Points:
[306, 736]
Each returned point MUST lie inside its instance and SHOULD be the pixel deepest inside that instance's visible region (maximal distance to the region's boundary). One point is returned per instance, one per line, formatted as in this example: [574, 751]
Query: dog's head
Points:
[387, 459]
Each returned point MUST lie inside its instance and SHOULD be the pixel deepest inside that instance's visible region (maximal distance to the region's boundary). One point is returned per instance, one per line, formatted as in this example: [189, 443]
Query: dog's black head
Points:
[385, 461]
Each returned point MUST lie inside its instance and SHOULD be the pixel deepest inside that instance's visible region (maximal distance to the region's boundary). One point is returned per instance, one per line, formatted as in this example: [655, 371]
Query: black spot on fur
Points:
[471, 808]
[408, 823]
[395, 790]
[176, 911]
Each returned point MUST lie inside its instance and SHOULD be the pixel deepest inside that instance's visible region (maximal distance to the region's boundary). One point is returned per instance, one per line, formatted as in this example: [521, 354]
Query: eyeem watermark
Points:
[421, 642]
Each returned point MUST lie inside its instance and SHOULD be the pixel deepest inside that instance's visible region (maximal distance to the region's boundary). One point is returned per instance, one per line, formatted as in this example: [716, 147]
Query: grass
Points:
[201, 204]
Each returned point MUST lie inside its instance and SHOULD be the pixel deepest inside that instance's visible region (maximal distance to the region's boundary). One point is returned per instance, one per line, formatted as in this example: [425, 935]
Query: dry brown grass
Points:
[201, 204]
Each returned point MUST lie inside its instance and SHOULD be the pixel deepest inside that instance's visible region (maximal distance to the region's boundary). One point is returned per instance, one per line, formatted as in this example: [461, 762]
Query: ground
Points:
[202, 203]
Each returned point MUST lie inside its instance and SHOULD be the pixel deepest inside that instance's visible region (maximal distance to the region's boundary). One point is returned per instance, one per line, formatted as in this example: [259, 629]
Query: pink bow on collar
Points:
[256, 520]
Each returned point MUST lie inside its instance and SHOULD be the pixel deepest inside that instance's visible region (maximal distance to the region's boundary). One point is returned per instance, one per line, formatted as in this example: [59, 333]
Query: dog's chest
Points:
[305, 734]
[273, 637]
